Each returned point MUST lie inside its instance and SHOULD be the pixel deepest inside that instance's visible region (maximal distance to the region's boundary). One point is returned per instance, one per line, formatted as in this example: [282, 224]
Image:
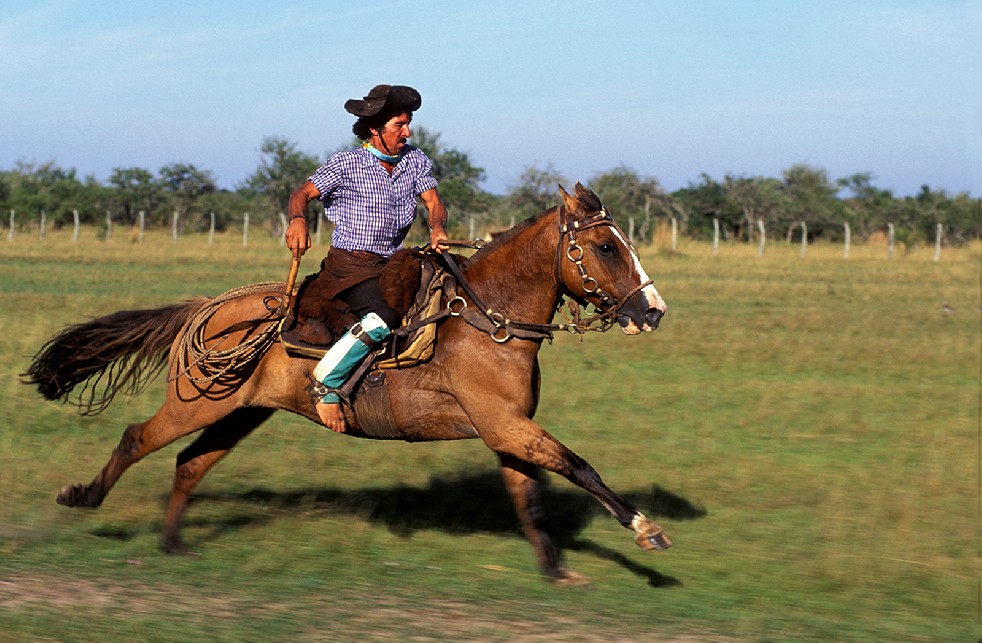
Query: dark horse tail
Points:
[121, 352]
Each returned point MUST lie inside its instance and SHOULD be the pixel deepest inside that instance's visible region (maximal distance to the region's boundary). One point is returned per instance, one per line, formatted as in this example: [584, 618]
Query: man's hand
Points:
[298, 237]
[438, 239]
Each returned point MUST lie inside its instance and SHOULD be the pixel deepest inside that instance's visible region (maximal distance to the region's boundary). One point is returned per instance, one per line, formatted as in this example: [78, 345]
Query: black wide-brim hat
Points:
[389, 98]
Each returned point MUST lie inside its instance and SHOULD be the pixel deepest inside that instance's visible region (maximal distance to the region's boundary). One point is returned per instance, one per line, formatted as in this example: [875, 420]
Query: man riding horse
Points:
[369, 193]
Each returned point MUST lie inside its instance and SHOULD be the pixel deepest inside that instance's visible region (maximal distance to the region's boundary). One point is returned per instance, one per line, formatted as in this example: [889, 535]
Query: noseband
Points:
[501, 329]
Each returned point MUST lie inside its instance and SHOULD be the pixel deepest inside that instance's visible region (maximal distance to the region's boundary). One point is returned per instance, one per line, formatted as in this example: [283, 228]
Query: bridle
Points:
[501, 329]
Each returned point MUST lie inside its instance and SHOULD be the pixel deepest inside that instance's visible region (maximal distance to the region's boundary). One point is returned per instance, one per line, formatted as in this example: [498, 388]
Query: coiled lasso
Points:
[222, 365]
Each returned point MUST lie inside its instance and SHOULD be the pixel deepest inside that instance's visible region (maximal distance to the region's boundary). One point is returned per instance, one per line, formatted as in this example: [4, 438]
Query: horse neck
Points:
[517, 278]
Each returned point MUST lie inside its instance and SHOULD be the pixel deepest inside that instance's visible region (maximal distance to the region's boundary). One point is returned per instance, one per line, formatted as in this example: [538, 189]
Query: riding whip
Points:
[290, 282]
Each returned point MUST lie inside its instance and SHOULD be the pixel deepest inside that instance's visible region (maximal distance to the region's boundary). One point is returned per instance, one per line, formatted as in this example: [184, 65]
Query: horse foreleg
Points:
[194, 462]
[534, 445]
[521, 480]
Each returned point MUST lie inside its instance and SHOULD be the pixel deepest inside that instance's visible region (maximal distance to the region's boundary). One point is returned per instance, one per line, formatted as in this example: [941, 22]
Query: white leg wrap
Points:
[344, 355]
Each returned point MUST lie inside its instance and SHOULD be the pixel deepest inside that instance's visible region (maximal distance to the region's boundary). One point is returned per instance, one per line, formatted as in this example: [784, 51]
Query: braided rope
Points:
[217, 364]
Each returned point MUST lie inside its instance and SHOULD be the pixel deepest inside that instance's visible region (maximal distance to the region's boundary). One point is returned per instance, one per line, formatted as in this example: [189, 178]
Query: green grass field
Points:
[806, 430]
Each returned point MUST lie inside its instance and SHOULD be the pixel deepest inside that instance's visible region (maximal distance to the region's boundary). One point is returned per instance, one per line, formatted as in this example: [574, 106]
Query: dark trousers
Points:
[366, 297]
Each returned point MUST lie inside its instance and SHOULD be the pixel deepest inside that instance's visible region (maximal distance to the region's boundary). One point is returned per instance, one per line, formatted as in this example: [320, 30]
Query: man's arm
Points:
[437, 219]
[297, 235]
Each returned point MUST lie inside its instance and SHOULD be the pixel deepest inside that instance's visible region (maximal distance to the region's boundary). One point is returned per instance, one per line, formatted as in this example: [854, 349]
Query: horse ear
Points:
[590, 201]
[572, 203]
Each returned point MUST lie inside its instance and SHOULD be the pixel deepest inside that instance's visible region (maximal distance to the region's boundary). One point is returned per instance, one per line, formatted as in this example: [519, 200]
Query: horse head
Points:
[597, 264]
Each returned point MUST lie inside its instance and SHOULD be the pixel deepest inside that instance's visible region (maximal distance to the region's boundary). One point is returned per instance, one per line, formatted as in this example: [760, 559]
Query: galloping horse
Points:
[479, 383]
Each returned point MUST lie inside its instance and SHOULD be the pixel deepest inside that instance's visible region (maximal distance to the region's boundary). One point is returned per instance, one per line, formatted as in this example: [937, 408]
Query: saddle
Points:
[414, 286]
[411, 283]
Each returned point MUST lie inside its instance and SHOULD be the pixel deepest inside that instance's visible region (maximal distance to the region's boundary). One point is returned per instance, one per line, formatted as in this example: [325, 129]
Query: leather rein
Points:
[501, 329]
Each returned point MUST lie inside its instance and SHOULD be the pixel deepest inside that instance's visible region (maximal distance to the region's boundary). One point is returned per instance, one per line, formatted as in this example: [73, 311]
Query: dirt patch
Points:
[386, 619]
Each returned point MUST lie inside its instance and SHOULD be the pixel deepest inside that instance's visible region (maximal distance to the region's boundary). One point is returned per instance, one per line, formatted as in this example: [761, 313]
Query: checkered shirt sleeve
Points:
[370, 209]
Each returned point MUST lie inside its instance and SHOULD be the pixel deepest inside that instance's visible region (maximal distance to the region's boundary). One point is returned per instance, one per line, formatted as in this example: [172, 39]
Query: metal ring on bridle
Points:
[458, 301]
[590, 285]
[497, 319]
[496, 336]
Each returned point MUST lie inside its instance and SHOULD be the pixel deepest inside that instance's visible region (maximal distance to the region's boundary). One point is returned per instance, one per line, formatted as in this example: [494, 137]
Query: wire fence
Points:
[137, 232]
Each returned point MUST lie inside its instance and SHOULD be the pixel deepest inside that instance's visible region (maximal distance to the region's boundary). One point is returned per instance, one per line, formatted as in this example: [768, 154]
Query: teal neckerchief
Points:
[381, 156]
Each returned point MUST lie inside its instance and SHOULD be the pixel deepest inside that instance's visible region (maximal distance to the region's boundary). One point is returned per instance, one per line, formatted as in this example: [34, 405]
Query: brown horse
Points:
[481, 382]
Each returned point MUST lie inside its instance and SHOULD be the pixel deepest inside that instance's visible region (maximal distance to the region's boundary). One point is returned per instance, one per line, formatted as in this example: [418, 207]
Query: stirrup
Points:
[317, 390]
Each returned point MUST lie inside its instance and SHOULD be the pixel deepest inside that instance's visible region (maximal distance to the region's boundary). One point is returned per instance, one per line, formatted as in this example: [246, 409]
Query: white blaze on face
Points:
[651, 295]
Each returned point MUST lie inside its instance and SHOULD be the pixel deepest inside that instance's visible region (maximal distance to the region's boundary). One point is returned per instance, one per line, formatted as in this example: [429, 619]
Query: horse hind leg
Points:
[194, 462]
[171, 422]
[131, 449]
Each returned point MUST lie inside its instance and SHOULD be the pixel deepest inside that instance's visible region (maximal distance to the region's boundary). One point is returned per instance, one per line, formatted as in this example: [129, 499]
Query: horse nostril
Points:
[653, 316]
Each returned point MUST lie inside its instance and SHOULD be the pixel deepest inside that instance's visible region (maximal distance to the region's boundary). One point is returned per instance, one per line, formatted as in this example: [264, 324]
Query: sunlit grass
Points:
[822, 412]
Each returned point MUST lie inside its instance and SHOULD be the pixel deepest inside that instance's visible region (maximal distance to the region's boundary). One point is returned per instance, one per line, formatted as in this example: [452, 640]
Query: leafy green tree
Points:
[706, 200]
[632, 197]
[537, 190]
[134, 189]
[55, 190]
[759, 198]
[282, 169]
[961, 221]
[868, 208]
[460, 183]
[811, 198]
[185, 183]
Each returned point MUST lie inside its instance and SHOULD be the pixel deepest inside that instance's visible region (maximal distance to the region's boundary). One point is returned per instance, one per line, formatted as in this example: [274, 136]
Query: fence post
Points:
[675, 234]
[41, 228]
[211, 230]
[143, 223]
[804, 238]
[245, 230]
[109, 225]
[715, 236]
[763, 237]
[890, 237]
[283, 225]
[937, 243]
[848, 233]
[75, 229]
[173, 227]
[10, 234]
[630, 229]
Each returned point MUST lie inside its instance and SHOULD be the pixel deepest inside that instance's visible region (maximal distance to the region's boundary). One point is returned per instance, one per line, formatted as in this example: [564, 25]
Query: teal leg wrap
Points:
[347, 352]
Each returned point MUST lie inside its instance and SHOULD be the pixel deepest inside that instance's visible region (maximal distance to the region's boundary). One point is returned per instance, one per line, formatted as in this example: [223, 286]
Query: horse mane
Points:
[590, 201]
[509, 234]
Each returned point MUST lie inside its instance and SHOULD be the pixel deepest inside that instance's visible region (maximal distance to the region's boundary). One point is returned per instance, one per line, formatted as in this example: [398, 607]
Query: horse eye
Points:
[606, 249]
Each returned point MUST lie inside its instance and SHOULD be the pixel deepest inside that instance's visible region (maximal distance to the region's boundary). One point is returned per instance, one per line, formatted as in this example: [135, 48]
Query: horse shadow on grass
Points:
[466, 504]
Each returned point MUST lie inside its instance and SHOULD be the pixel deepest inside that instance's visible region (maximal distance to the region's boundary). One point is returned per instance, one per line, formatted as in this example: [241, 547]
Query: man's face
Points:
[392, 138]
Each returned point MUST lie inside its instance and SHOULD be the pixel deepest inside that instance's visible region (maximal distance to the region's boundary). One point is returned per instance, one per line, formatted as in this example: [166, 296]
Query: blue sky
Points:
[669, 89]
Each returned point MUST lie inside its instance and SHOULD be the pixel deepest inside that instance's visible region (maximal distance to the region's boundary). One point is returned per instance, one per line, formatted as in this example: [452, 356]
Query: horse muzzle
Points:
[644, 323]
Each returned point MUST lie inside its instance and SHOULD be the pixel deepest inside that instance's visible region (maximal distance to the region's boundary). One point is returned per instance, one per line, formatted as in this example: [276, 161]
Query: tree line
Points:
[734, 205]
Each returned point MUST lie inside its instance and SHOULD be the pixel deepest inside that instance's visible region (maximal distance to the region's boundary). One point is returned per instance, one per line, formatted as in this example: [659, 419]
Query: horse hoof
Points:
[568, 578]
[173, 545]
[75, 496]
[653, 541]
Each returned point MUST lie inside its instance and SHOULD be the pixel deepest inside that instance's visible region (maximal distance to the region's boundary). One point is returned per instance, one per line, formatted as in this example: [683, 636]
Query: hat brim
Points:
[397, 98]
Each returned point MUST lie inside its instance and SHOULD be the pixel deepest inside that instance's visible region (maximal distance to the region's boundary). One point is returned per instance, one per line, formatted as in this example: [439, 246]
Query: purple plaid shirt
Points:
[371, 210]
